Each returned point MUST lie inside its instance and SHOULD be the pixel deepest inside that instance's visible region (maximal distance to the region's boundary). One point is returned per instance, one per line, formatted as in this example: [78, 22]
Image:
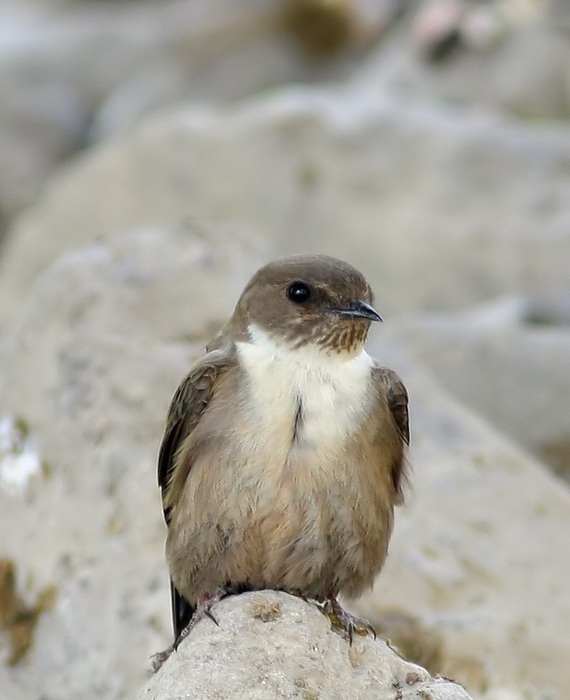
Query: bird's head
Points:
[308, 299]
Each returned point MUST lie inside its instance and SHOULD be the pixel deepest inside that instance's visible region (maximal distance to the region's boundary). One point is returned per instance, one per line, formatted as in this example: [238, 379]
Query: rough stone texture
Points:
[440, 209]
[476, 569]
[482, 55]
[442, 206]
[41, 124]
[478, 555]
[88, 377]
[106, 64]
[9, 689]
[75, 72]
[71, 73]
[271, 645]
[509, 360]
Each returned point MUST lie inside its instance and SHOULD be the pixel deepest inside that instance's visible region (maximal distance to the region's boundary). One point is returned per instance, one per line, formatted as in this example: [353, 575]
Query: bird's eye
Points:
[298, 292]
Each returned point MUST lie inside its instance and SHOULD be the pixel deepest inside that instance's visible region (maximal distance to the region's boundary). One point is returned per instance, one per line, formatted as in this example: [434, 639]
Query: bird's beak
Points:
[359, 310]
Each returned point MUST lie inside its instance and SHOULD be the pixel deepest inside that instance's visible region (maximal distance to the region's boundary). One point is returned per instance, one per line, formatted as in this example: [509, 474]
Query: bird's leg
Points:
[297, 593]
[203, 610]
[348, 622]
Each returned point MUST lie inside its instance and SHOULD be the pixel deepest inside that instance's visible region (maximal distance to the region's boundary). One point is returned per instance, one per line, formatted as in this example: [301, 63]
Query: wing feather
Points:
[186, 409]
[397, 399]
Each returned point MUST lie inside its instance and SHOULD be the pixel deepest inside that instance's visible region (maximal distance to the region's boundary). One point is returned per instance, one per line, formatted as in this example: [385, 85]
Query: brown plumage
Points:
[284, 449]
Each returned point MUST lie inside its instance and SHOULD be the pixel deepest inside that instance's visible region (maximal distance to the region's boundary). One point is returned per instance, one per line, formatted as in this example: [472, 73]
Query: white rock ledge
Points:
[271, 645]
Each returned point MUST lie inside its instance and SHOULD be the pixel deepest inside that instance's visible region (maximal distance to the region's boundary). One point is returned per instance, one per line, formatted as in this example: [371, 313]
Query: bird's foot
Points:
[351, 624]
[203, 610]
[297, 593]
[159, 658]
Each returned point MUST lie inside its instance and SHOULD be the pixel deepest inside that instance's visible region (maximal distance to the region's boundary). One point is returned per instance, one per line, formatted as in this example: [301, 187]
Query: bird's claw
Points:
[347, 621]
[203, 610]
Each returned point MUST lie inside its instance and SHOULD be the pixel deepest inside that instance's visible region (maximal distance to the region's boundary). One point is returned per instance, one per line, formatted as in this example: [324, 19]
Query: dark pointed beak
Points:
[359, 310]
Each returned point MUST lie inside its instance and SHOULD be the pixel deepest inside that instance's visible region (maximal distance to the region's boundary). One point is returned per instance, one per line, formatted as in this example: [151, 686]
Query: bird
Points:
[284, 452]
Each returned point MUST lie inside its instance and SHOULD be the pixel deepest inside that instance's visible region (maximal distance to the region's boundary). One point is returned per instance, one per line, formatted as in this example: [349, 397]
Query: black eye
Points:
[299, 292]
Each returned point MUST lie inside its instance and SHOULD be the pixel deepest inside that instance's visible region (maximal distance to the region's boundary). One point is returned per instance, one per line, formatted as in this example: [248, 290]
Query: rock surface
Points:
[510, 360]
[71, 73]
[476, 570]
[419, 170]
[271, 645]
[87, 376]
[439, 209]
[478, 555]
[478, 54]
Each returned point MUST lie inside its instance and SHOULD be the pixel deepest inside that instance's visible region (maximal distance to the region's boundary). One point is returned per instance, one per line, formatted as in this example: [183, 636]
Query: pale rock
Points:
[221, 51]
[76, 72]
[439, 208]
[435, 22]
[9, 689]
[41, 124]
[477, 565]
[483, 60]
[479, 554]
[272, 645]
[509, 360]
[73, 73]
[100, 66]
[95, 48]
[87, 375]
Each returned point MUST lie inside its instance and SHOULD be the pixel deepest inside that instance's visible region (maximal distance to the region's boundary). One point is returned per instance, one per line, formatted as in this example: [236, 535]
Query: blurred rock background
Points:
[153, 153]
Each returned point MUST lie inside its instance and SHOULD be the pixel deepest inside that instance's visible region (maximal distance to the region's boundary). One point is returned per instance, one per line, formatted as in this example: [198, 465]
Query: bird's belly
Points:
[301, 517]
[294, 506]
[299, 522]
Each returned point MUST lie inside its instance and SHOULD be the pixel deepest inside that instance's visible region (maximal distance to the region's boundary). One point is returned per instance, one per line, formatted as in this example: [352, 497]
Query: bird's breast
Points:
[303, 400]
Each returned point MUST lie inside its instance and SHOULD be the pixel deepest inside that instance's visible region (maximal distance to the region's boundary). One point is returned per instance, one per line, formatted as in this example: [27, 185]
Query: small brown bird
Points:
[284, 450]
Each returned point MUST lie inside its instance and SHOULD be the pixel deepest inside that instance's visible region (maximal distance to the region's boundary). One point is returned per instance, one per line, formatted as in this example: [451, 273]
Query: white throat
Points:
[331, 391]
